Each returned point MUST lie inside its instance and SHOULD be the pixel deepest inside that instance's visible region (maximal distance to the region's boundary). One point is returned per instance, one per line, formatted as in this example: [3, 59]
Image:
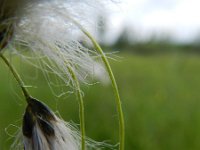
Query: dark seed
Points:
[28, 124]
[46, 127]
[6, 34]
[37, 111]
[40, 109]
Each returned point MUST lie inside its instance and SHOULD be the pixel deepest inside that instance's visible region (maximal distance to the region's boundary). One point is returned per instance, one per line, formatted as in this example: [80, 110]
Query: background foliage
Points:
[160, 96]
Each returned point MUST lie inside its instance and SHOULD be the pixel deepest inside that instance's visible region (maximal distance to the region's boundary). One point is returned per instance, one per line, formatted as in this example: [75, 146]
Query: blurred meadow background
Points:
[158, 74]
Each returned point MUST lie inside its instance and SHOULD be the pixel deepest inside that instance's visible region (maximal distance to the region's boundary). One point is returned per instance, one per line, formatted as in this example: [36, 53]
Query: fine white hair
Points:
[64, 138]
[45, 36]
[55, 43]
[44, 130]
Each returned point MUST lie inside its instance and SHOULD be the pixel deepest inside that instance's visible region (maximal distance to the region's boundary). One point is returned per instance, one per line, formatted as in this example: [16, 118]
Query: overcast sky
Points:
[179, 19]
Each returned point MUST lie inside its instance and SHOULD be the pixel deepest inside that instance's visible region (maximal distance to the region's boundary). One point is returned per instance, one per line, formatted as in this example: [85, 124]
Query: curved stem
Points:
[114, 84]
[115, 88]
[112, 78]
[17, 77]
[81, 107]
[80, 101]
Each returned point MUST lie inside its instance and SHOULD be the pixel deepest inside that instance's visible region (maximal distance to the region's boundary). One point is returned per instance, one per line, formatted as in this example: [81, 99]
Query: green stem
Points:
[80, 101]
[17, 77]
[115, 88]
[114, 84]
[81, 107]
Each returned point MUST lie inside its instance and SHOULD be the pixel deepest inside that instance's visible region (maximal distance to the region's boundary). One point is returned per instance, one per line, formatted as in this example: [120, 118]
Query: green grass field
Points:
[161, 102]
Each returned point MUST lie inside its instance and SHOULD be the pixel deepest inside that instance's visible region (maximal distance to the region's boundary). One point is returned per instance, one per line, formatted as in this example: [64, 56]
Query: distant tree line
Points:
[128, 42]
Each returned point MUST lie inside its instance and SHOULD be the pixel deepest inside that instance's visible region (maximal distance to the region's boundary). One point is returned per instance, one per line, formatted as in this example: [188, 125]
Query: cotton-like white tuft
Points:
[51, 38]
[43, 130]
[45, 35]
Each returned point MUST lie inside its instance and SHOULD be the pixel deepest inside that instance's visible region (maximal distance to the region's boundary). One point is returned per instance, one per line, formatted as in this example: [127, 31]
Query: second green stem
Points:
[17, 77]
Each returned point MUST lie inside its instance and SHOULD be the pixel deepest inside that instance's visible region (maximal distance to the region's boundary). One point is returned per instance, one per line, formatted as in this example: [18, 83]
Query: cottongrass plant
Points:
[49, 31]
[43, 130]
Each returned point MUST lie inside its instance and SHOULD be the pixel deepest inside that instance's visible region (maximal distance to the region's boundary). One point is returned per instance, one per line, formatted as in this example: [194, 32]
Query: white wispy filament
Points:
[43, 33]
[48, 33]
[43, 130]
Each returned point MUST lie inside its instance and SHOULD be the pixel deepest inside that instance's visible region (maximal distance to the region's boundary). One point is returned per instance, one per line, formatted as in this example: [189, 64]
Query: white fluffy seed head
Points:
[43, 130]
[47, 31]
[64, 139]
